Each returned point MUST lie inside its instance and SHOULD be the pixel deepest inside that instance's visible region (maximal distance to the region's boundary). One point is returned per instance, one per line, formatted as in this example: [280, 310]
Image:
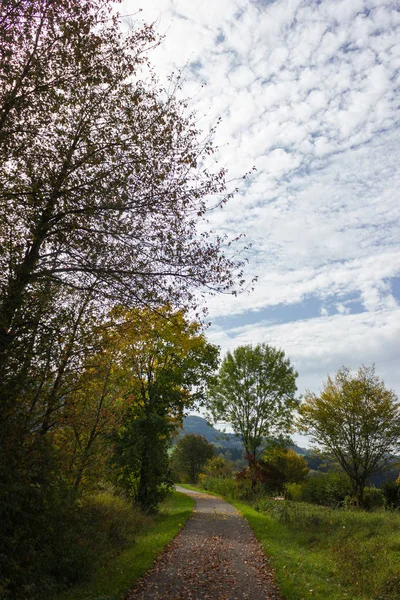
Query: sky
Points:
[308, 93]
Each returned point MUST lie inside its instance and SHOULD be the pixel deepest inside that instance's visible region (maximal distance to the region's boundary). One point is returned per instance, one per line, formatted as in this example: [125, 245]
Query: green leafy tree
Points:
[255, 393]
[356, 420]
[102, 177]
[190, 455]
[103, 190]
[219, 467]
[94, 411]
[165, 363]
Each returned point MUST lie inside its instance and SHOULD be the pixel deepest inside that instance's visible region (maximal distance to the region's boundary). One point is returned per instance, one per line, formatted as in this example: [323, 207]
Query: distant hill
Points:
[231, 443]
[199, 426]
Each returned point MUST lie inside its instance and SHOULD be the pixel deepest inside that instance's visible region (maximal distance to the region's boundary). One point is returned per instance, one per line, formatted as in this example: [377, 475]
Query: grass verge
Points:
[117, 577]
[326, 554]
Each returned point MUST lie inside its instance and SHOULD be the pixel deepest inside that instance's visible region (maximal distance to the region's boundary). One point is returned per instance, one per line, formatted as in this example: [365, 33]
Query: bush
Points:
[293, 466]
[75, 539]
[260, 477]
[328, 489]
[251, 483]
[90, 533]
[279, 509]
[223, 486]
[218, 466]
[391, 491]
[294, 491]
[246, 489]
[373, 498]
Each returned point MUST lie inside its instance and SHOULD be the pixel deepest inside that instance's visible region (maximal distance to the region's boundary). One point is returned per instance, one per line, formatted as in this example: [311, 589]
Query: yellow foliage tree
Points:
[293, 466]
[356, 420]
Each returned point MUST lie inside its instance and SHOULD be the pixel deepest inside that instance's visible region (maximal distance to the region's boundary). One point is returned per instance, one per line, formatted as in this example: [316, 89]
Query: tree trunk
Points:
[359, 492]
[13, 297]
[251, 459]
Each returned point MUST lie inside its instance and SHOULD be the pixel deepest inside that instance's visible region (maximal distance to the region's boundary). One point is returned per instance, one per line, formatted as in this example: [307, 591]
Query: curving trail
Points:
[214, 557]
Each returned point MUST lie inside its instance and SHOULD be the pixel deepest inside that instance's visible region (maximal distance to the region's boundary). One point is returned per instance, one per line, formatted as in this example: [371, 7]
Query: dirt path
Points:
[214, 557]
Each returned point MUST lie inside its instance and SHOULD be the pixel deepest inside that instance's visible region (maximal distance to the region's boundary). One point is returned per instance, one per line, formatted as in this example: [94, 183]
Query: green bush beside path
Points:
[122, 572]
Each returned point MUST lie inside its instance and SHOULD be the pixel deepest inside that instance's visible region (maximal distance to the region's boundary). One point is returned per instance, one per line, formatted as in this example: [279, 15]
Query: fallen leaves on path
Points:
[214, 557]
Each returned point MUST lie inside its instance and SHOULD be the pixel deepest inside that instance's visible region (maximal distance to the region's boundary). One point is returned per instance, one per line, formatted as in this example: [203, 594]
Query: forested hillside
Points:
[232, 443]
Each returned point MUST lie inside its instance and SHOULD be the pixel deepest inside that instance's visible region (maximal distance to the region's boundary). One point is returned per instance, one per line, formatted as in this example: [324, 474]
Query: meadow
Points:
[320, 552]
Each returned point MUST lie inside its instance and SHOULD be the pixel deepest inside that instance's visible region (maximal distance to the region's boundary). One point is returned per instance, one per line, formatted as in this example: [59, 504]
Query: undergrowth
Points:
[114, 577]
[75, 539]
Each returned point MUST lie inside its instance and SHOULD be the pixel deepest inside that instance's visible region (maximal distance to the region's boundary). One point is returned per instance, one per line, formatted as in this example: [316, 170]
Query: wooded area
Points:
[104, 182]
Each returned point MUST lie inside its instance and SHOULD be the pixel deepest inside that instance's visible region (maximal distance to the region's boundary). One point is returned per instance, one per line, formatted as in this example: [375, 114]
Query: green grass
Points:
[327, 554]
[117, 577]
[302, 571]
[195, 488]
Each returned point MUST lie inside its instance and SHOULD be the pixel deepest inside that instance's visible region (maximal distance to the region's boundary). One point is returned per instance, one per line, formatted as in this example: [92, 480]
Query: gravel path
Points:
[214, 557]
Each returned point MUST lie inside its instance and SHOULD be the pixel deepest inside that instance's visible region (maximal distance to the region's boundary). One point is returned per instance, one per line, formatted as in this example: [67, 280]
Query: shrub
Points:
[391, 491]
[373, 498]
[223, 486]
[218, 466]
[75, 540]
[294, 491]
[328, 489]
[279, 509]
[263, 478]
[99, 527]
[293, 466]
[246, 488]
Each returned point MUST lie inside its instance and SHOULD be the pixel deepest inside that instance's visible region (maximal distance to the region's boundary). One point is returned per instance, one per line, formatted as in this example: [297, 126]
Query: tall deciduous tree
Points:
[190, 455]
[103, 184]
[355, 419]
[165, 363]
[102, 178]
[255, 393]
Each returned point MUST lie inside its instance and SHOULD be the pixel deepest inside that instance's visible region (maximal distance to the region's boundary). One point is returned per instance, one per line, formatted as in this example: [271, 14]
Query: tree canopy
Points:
[293, 466]
[255, 393]
[105, 182]
[190, 455]
[165, 363]
[102, 177]
[355, 419]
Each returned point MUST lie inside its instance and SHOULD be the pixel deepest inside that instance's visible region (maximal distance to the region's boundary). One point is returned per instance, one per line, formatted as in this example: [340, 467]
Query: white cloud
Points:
[318, 347]
[308, 93]
[342, 308]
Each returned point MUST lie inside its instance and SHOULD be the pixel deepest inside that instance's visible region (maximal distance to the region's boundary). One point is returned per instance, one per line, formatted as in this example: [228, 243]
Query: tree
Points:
[355, 419]
[103, 190]
[190, 455]
[103, 196]
[165, 364]
[94, 411]
[219, 467]
[102, 175]
[294, 467]
[255, 393]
